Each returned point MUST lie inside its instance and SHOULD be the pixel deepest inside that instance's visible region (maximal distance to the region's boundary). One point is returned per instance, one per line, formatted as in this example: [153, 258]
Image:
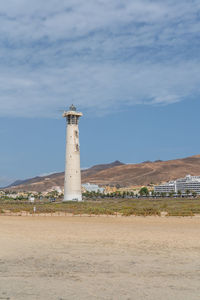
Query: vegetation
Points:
[144, 191]
[109, 206]
[117, 194]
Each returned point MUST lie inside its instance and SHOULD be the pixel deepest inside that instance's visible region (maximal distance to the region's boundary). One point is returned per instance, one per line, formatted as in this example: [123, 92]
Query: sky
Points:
[132, 67]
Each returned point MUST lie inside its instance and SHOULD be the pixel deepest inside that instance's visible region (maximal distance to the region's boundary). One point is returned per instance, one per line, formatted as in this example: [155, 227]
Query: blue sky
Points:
[132, 67]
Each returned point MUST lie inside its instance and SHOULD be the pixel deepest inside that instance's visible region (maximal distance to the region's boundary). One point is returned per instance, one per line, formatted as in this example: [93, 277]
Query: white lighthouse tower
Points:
[72, 185]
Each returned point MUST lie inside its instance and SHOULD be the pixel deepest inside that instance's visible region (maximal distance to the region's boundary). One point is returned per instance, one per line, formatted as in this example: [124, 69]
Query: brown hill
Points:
[148, 172]
[118, 173]
[93, 170]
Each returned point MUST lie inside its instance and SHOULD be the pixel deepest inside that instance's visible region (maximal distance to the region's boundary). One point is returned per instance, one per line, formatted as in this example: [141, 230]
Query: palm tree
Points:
[163, 194]
[194, 194]
[171, 194]
[187, 192]
[179, 193]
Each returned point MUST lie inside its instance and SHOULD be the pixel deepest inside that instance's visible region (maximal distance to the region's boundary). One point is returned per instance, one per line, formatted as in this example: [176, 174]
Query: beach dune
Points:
[99, 258]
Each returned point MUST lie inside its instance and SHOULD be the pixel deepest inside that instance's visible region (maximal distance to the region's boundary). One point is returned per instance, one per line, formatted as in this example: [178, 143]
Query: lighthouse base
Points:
[73, 197]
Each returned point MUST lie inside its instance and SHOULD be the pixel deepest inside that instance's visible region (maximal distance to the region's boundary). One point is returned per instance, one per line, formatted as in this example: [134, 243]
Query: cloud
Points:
[101, 55]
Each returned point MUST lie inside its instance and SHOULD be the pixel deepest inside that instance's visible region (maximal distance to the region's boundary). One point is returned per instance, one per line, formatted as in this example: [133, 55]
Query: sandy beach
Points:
[99, 258]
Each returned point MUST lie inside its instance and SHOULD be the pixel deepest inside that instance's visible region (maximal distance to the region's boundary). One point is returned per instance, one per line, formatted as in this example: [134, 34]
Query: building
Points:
[31, 198]
[167, 188]
[188, 183]
[92, 188]
[72, 184]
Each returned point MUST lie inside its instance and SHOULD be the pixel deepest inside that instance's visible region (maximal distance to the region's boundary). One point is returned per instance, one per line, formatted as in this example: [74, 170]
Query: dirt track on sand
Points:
[99, 258]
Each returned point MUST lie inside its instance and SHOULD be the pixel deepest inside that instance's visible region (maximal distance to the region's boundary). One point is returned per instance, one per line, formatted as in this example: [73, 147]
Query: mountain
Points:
[117, 173]
[22, 182]
[148, 172]
[97, 168]
[43, 183]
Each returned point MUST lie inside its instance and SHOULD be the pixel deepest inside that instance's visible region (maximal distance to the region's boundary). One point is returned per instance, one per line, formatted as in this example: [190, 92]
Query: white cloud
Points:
[97, 54]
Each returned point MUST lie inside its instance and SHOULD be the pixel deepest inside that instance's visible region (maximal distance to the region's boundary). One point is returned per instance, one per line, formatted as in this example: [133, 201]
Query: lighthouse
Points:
[72, 184]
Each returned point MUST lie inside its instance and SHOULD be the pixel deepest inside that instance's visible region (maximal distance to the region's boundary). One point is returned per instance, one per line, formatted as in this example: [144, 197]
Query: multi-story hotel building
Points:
[189, 183]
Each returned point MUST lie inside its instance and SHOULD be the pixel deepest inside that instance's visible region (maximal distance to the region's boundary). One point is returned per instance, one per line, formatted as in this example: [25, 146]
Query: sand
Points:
[99, 258]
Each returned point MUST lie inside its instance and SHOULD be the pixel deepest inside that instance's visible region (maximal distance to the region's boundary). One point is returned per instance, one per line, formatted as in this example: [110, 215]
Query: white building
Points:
[31, 198]
[165, 188]
[190, 183]
[72, 184]
[56, 189]
[92, 188]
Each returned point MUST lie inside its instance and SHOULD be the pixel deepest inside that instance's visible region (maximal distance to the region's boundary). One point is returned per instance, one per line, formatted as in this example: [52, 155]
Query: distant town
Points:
[182, 187]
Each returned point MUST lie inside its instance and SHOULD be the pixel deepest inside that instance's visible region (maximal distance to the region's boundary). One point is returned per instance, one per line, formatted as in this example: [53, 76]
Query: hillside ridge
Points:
[118, 173]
